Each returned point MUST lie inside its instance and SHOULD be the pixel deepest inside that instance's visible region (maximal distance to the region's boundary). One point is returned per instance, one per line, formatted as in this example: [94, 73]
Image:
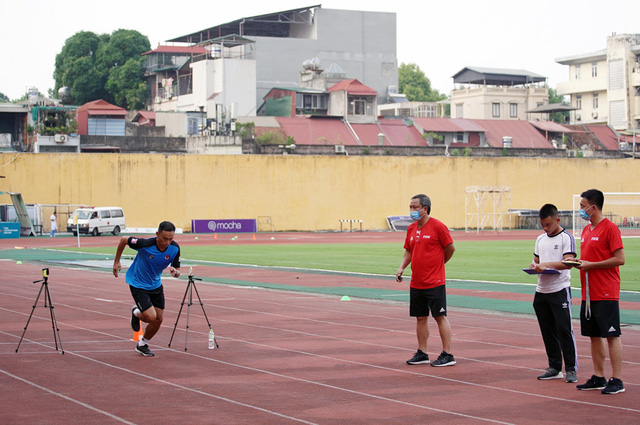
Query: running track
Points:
[284, 357]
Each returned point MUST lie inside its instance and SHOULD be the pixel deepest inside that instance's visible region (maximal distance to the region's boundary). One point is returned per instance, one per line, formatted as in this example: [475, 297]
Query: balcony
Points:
[582, 86]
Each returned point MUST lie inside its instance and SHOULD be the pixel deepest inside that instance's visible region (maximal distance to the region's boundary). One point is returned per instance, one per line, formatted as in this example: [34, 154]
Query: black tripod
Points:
[47, 304]
[191, 286]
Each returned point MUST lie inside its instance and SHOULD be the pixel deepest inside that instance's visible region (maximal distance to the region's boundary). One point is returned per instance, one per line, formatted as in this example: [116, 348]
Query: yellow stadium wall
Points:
[299, 192]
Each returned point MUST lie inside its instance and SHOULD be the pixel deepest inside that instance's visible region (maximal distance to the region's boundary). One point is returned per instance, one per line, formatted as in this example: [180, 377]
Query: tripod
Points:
[191, 286]
[47, 304]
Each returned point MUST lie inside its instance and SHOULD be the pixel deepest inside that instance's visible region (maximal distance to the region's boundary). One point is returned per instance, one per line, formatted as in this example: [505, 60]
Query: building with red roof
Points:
[101, 118]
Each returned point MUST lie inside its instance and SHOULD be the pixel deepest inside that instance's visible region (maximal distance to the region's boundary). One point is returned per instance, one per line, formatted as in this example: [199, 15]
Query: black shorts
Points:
[424, 300]
[146, 299]
[604, 321]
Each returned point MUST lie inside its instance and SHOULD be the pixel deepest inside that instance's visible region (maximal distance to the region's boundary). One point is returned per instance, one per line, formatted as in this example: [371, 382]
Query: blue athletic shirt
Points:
[149, 263]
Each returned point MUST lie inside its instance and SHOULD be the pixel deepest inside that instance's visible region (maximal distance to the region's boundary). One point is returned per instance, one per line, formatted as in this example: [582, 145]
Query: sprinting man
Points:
[601, 255]
[428, 246]
[552, 300]
[143, 277]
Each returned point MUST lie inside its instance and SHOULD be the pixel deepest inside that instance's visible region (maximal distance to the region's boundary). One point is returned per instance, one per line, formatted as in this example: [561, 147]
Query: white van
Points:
[96, 220]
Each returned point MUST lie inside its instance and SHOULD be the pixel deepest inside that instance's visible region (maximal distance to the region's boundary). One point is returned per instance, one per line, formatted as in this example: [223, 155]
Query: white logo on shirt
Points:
[595, 238]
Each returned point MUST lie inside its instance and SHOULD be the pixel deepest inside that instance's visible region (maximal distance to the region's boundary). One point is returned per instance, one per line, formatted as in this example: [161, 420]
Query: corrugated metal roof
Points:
[353, 87]
[400, 134]
[607, 136]
[184, 50]
[524, 134]
[445, 125]
[103, 106]
[313, 131]
[552, 126]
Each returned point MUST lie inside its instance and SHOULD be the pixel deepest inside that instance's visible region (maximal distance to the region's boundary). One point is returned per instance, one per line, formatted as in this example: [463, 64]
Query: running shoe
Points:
[594, 383]
[550, 373]
[144, 350]
[614, 386]
[135, 322]
[571, 376]
[444, 359]
[419, 358]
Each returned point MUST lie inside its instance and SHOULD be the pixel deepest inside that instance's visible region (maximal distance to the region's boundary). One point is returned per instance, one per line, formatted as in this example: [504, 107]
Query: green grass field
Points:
[499, 261]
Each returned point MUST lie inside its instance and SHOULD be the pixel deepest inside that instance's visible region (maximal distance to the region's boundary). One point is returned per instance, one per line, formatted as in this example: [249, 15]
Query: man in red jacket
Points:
[428, 246]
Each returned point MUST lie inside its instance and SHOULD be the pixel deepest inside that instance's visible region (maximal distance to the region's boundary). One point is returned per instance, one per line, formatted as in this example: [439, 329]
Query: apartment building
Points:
[605, 85]
[497, 94]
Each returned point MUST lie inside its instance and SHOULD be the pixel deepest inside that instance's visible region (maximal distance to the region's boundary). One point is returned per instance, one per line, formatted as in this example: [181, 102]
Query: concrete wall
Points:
[299, 192]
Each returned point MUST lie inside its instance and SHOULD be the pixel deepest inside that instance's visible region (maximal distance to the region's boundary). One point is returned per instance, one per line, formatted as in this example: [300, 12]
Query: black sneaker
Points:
[614, 386]
[144, 350]
[594, 383]
[444, 359]
[550, 373]
[419, 358]
[135, 322]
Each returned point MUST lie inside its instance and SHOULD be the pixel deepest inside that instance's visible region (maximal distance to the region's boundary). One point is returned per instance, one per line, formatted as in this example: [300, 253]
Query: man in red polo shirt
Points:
[601, 254]
[428, 246]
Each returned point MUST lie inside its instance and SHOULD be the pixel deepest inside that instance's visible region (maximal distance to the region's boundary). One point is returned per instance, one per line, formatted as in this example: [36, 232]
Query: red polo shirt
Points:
[598, 244]
[427, 253]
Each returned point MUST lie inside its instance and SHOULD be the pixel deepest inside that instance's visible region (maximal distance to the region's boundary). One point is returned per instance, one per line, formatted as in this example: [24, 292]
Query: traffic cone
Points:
[215, 236]
[254, 237]
[137, 336]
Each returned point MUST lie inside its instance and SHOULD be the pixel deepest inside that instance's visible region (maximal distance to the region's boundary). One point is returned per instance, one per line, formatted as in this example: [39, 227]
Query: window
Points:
[595, 101]
[459, 110]
[104, 214]
[577, 68]
[513, 110]
[460, 137]
[495, 110]
[310, 101]
[594, 69]
[358, 106]
[579, 101]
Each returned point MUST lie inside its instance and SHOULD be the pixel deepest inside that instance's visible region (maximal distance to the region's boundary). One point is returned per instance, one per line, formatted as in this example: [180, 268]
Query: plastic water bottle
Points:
[212, 340]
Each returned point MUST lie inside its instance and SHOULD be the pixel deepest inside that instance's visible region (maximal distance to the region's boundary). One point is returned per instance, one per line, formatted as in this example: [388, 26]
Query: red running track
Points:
[283, 358]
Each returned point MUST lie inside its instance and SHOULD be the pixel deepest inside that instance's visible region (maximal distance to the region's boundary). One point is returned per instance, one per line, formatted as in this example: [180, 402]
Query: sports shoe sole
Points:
[613, 392]
[135, 321]
[591, 388]
[443, 364]
[147, 354]
[558, 376]
[421, 362]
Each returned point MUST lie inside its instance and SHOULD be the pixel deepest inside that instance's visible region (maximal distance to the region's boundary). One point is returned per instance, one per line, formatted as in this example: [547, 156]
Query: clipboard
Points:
[547, 271]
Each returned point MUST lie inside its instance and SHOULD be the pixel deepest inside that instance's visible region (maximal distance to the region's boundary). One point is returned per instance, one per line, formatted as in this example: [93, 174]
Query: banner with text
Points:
[224, 226]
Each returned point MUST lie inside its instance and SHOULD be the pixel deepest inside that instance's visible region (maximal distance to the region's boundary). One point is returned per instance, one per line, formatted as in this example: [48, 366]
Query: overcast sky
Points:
[442, 37]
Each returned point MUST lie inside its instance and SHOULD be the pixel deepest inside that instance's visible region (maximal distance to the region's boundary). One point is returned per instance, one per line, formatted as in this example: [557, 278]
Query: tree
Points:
[88, 64]
[415, 85]
[560, 117]
[4, 98]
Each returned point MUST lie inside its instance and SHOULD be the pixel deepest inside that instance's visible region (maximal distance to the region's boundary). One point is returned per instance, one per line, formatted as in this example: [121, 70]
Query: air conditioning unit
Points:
[158, 99]
[60, 138]
[594, 115]
[571, 154]
[340, 149]
[578, 117]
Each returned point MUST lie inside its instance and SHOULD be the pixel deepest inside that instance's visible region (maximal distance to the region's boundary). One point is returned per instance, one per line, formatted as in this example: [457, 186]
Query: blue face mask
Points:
[584, 215]
[415, 215]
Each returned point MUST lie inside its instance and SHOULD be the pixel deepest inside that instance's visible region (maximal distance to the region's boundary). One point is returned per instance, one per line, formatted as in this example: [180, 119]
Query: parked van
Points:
[96, 220]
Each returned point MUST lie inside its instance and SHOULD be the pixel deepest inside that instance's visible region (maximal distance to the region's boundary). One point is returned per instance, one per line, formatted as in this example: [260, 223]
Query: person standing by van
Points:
[143, 277]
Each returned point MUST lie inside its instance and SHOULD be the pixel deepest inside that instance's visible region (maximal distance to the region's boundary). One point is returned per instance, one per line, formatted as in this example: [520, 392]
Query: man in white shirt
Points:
[552, 301]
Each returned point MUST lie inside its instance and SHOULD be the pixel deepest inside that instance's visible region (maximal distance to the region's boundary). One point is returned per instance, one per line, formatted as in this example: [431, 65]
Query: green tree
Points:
[415, 84]
[125, 85]
[559, 117]
[4, 98]
[88, 63]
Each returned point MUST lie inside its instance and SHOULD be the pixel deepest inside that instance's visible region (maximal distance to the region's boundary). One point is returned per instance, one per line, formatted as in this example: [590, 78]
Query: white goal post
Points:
[622, 208]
